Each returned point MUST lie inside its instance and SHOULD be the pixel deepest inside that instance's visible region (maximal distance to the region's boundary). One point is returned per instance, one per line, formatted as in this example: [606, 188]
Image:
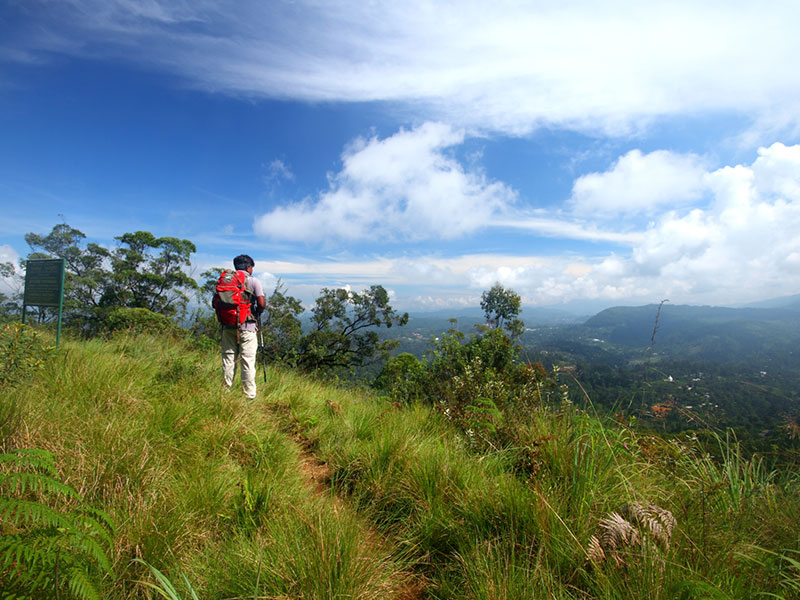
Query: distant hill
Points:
[782, 302]
[710, 332]
[532, 315]
[766, 333]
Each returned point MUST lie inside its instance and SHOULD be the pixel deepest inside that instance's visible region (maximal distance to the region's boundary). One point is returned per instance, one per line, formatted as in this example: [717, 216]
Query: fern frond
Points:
[96, 522]
[12, 594]
[21, 512]
[27, 568]
[657, 521]
[39, 540]
[631, 525]
[30, 458]
[100, 516]
[12, 551]
[84, 544]
[20, 483]
[617, 533]
[594, 551]
[29, 550]
[81, 586]
[42, 579]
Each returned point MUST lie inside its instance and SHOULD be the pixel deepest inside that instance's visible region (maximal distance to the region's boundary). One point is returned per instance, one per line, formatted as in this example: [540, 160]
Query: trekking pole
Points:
[263, 350]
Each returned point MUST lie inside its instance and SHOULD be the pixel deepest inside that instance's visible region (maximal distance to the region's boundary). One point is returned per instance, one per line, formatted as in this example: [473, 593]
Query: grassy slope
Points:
[202, 483]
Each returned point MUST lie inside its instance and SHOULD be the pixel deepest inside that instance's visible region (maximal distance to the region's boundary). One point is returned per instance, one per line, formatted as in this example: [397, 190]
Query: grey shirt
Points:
[253, 286]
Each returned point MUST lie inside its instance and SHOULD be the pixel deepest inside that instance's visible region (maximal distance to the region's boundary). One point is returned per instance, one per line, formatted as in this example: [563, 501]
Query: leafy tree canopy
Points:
[502, 307]
[343, 328]
[143, 279]
[282, 330]
[143, 272]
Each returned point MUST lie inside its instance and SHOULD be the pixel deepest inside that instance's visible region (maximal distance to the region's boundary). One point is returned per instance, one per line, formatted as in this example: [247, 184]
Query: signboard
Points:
[44, 282]
[44, 286]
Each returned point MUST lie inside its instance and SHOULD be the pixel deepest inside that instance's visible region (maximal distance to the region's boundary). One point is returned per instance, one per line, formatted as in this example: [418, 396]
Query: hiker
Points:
[238, 302]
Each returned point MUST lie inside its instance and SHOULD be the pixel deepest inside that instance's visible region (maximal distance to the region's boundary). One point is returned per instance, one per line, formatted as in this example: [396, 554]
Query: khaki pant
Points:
[245, 353]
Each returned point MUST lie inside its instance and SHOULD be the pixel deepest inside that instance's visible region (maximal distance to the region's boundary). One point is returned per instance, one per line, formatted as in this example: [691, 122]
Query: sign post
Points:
[44, 286]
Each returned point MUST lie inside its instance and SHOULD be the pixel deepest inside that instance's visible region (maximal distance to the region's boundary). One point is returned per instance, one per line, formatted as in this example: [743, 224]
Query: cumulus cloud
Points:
[735, 244]
[510, 67]
[404, 187]
[743, 245]
[639, 184]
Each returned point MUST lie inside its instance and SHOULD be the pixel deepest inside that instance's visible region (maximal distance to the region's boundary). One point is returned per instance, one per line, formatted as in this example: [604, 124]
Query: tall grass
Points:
[480, 526]
[211, 492]
[199, 482]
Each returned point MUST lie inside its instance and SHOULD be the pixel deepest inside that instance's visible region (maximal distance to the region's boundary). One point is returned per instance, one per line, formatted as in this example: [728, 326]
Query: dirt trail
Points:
[318, 475]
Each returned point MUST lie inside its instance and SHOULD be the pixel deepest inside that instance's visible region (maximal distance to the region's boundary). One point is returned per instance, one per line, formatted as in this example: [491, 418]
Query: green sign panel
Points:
[44, 282]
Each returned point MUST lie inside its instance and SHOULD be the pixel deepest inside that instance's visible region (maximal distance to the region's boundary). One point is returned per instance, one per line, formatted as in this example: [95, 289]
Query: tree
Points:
[86, 276]
[502, 307]
[157, 282]
[204, 321]
[403, 378]
[343, 328]
[282, 331]
[144, 272]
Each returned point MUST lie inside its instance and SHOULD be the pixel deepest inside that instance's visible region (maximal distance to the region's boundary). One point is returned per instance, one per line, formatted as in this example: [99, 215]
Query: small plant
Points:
[253, 501]
[46, 552]
[789, 571]
[22, 352]
[165, 587]
[480, 422]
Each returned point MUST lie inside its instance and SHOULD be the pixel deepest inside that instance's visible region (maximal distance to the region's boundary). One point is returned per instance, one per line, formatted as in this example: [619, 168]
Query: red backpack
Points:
[232, 300]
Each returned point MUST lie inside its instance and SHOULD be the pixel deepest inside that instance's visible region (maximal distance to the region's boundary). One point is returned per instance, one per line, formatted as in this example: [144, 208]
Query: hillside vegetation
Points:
[673, 369]
[148, 475]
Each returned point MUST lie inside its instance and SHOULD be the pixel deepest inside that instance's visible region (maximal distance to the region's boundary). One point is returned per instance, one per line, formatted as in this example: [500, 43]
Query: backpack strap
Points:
[253, 300]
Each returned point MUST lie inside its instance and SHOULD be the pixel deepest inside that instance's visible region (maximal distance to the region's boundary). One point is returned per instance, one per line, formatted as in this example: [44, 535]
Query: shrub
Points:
[22, 352]
[139, 320]
[476, 383]
[403, 378]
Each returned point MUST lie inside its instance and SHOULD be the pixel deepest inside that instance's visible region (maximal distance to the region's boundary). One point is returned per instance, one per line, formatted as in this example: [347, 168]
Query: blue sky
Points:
[612, 153]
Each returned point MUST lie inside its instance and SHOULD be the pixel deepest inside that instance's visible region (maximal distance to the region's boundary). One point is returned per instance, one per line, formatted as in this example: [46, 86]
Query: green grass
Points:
[198, 481]
[478, 527]
[211, 491]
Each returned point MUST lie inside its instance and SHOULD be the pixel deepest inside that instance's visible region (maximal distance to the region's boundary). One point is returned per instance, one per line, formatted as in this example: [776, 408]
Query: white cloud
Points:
[639, 184]
[8, 254]
[742, 246]
[277, 169]
[404, 187]
[775, 171]
[9, 285]
[407, 187]
[508, 67]
[738, 243]
[560, 228]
